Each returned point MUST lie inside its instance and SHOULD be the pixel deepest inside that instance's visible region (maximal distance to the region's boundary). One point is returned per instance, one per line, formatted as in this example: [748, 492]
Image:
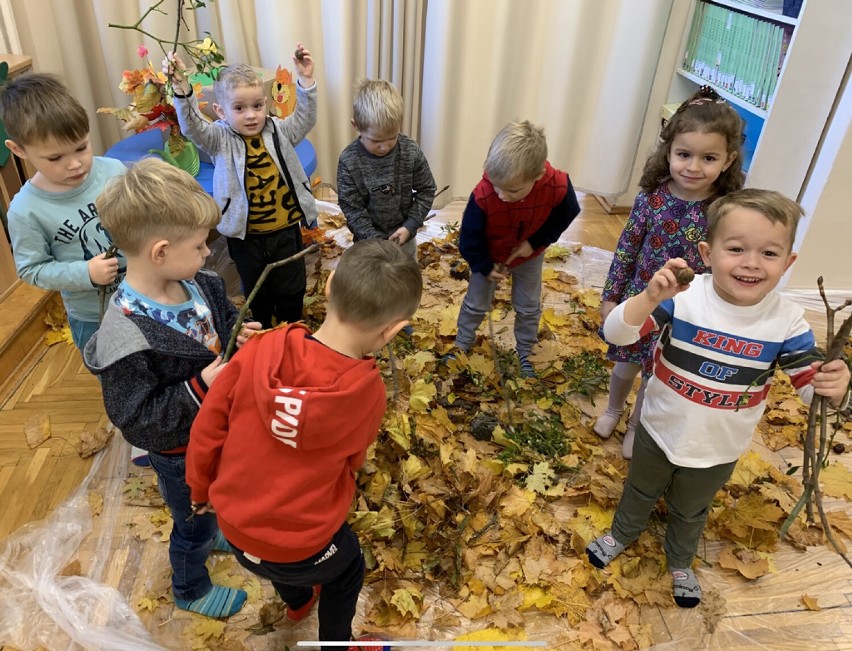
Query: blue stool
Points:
[136, 147]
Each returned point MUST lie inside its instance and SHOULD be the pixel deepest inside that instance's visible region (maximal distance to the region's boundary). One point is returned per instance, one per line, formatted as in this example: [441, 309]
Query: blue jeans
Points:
[191, 542]
[82, 331]
[338, 568]
[526, 301]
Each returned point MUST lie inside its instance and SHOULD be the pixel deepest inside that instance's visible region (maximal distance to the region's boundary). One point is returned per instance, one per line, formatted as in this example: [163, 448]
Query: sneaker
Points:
[139, 457]
[371, 637]
[298, 614]
[525, 366]
[452, 355]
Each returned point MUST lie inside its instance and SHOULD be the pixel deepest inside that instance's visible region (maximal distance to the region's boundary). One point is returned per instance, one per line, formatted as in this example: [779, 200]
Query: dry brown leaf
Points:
[92, 442]
[37, 430]
[811, 603]
[73, 568]
[748, 563]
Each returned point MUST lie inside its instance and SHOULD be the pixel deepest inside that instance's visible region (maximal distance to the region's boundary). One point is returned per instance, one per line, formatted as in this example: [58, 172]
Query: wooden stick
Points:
[232, 342]
[110, 253]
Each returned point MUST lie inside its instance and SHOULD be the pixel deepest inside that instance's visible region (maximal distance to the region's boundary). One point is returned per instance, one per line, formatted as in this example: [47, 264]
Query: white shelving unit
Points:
[787, 133]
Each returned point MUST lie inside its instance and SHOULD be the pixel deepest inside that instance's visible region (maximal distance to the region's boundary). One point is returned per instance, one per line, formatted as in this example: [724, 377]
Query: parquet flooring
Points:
[763, 614]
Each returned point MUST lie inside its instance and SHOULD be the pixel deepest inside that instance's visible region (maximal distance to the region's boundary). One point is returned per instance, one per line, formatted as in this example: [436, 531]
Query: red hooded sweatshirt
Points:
[277, 442]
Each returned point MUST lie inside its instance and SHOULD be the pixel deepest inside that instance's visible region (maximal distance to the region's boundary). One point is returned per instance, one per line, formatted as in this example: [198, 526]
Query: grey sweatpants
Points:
[526, 301]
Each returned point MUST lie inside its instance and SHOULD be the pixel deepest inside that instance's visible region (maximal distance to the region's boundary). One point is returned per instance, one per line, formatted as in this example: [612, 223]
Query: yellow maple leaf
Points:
[836, 480]
[554, 320]
[749, 469]
[421, 394]
[534, 597]
[599, 517]
[541, 478]
[57, 336]
[516, 501]
[414, 364]
[405, 600]
[204, 631]
[399, 429]
[475, 606]
[412, 468]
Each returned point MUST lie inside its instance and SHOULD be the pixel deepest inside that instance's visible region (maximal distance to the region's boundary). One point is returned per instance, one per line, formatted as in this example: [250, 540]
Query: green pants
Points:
[688, 493]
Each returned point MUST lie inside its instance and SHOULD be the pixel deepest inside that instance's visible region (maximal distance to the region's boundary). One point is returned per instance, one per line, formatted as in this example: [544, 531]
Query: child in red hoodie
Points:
[303, 410]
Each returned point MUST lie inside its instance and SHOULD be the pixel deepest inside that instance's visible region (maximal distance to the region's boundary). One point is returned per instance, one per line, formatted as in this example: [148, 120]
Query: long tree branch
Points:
[241, 317]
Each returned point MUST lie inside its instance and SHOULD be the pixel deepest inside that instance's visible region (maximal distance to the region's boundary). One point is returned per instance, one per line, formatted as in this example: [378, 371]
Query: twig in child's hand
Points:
[110, 253]
[814, 457]
[492, 344]
[232, 342]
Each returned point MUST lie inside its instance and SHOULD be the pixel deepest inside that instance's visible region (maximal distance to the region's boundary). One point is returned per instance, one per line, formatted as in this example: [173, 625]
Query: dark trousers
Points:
[283, 292]
[688, 493]
[338, 568]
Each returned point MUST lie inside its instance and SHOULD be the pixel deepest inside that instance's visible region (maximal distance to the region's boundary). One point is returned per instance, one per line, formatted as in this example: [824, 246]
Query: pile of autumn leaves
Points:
[478, 498]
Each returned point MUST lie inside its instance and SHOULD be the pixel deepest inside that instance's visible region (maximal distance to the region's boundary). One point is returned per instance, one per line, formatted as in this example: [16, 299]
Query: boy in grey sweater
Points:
[384, 184]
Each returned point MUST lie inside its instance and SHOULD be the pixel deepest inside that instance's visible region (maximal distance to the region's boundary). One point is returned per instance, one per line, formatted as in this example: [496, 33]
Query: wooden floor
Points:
[34, 482]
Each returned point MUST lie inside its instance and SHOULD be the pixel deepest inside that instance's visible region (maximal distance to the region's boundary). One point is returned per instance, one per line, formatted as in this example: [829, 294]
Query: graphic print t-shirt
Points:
[192, 317]
[55, 234]
[272, 205]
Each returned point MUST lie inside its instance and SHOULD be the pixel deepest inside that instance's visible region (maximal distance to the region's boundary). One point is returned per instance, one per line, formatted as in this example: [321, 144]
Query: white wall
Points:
[824, 238]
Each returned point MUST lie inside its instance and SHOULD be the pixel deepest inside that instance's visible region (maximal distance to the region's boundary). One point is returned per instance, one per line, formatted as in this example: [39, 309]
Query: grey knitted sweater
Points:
[378, 194]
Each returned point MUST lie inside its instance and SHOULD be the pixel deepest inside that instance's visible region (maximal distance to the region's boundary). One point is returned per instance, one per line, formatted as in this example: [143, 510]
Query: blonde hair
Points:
[36, 106]
[517, 153]
[154, 200]
[375, 284]
[236, 75]
[378, 104]
[773, 205]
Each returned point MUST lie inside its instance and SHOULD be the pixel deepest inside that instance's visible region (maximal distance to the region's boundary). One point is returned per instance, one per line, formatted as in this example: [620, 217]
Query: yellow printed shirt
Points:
[272, 205]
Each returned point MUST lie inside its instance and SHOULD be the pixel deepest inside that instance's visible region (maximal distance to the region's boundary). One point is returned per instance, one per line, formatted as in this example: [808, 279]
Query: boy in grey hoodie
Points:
[258, 181]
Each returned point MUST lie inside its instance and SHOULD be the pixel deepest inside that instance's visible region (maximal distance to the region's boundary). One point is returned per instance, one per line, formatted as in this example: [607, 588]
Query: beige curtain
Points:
[583, 69]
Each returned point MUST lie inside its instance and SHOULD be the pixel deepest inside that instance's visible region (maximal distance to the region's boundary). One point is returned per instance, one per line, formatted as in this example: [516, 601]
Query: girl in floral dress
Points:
[698, 159]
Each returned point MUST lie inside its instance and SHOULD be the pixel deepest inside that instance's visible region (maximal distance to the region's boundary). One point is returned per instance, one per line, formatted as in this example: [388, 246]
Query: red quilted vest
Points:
[509, 224]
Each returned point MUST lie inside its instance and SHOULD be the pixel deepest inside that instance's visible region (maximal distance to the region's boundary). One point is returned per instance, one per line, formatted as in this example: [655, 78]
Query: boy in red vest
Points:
[520, 207]
[296, 412]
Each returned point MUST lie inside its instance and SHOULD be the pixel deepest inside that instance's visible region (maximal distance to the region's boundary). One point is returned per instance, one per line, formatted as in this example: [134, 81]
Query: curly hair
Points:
[703, 112]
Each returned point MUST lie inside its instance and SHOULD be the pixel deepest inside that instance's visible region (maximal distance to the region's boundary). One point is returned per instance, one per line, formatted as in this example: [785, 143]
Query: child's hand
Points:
[174, 69]
[102, 271]
[248, 330]
[200, 508]
[664, 284]
[498, 273]
[400, 235]
[523, 250]
[606, 308]
[831, 380]
[212, 370]
[304, 65]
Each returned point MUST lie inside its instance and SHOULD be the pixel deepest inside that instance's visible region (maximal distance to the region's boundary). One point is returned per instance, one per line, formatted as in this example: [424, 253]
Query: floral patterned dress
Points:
[660, 227]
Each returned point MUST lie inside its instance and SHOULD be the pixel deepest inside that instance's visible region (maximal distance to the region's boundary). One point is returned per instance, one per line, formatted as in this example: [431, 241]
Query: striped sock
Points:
[219, 602]
[222, 545]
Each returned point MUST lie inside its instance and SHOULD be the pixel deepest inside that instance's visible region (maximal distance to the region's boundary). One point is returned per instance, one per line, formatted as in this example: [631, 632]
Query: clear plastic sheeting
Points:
[39, 607]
